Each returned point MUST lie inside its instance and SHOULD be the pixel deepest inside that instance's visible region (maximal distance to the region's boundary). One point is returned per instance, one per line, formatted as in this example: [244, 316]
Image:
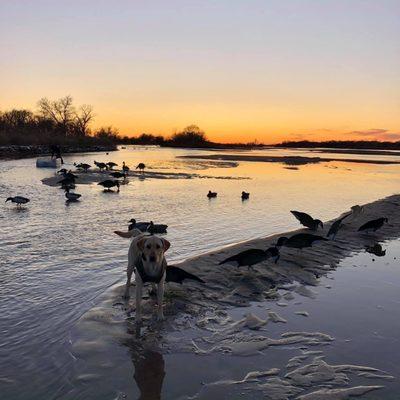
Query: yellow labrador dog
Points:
[146, 258]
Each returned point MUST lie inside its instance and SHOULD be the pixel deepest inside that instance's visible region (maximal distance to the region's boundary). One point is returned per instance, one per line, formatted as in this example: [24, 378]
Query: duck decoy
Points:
[83, 166]
[178, 275]
[125, 168]
[373, 225]
[141, 166]
[253, 256]
[334, 229]
[72, 196]
[376, 249]
[118, 175]
[111, 165]
[299, 241]
[153, 228]
[100, 165]
[211, 194]
[307, 221]
[18, 200]
[108, 184]
[245, 195]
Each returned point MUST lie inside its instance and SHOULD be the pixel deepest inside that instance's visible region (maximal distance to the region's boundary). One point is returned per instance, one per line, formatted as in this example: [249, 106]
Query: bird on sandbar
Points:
[83, 166]
[118, 175]
[308, 221]
[248, 258]
[334, 229]
[125, 168]
[373, 225]
[299, 241]
[211, 194]
[141, 166]
[108, 184]
[376, 249]
[245, 195]
[100, 165]
[18, 200]
[111, 165]
[72, 196]
[178, 275]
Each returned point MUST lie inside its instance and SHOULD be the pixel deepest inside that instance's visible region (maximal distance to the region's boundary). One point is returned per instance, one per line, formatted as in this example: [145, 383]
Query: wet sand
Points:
[200, 322]
[289, 160]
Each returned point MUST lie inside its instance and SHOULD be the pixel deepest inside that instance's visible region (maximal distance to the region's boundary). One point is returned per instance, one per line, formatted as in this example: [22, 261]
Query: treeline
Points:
[342, 144]
[54, 122]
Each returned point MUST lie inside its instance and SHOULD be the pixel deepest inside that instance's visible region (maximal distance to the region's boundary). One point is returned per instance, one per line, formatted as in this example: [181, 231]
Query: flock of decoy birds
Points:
[213, 195]
[300, 241]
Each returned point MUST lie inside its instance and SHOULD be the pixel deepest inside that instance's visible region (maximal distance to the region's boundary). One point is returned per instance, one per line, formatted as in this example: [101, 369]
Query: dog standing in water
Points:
[146, 258]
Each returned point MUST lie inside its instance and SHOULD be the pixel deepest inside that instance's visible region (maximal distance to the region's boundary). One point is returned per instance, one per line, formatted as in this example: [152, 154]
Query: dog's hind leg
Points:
[160, 297]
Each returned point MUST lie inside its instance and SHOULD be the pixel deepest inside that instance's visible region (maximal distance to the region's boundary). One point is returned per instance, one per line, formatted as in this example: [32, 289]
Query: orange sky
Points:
[271, 71]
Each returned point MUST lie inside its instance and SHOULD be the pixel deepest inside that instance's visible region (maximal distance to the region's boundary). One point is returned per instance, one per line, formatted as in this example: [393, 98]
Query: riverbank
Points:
[17, 151]
[288, 353]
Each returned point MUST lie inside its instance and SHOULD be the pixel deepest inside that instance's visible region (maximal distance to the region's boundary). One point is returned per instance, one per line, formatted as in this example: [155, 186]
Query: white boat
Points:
[47, 162]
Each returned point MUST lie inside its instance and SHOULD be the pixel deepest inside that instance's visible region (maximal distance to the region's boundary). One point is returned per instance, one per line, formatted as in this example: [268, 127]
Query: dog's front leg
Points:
[129, 272]
[160, 296]
[139, 287]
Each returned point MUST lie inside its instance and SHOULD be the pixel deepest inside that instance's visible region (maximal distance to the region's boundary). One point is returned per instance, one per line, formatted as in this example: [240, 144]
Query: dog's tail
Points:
[132, 233]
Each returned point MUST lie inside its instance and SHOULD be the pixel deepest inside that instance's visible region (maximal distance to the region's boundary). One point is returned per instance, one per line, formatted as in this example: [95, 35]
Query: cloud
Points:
[377, 134]
[369, 132]
[391, 136]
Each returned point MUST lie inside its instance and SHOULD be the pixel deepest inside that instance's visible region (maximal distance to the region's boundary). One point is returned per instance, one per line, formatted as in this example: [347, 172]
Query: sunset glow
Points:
[241, 70]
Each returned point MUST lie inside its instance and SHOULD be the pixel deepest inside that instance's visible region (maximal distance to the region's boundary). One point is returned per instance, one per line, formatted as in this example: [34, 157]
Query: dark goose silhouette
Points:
[253, 256]
[83, 166]
[334, 229]
[100, 165]
[142, 226]
[125, 168]
[18, 200]
[141, 167]
[308, 221]
[156, 228]
[373, 225]
[108, 184]
[245, 195]
[178, 275]
[118, 175]
[211, 194]
[111, 165]
[72, 196]
[299, 241]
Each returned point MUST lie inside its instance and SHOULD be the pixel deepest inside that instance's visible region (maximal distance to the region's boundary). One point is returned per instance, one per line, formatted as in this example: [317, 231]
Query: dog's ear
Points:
[166, 244]
[140, 243]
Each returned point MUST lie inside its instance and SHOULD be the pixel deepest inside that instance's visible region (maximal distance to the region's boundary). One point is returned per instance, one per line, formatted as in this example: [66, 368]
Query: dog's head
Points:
[152, 249]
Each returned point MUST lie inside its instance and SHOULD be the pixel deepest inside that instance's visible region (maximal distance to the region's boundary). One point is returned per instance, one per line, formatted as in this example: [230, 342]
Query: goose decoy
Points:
[142, 226]
[118, 175]
[178, 275]
[153, 228]
[299, 241]
[68, 180]
[18, 200]
[72, 196]
[334, 229]
[141, 167]
[83, 166]
[253, 256]
[373, 225]
[108, 184]
[211, 194]
[376, 249]
[111, 165]
[100, 165]
[245, 195]
[306, 220]
[125, 168]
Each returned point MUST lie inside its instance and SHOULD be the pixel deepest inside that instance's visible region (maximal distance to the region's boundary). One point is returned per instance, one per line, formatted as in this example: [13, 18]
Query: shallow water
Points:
[57, 259]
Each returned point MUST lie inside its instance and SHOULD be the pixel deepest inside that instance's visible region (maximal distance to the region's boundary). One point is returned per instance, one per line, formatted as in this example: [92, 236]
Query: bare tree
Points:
[83, 118]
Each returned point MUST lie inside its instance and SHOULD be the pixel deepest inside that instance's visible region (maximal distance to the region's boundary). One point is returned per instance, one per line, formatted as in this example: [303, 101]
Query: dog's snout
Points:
[152, 258]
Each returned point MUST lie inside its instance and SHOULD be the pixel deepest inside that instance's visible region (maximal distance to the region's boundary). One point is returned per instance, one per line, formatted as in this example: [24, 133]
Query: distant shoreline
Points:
[26, 151]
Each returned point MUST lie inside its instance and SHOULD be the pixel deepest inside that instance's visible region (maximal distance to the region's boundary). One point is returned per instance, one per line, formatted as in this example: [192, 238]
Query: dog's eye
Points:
[148, 246]
[158, 246]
